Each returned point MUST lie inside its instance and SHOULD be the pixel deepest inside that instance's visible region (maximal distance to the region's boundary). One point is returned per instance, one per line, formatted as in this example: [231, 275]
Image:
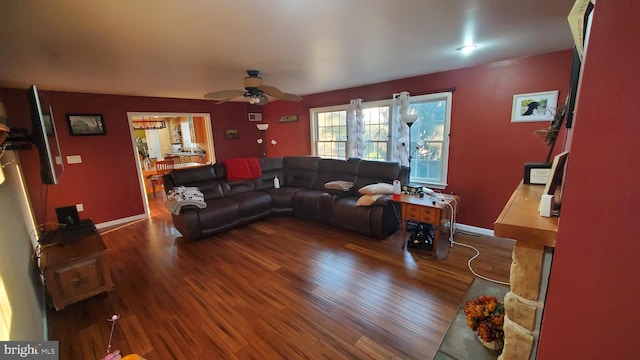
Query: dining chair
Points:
[174, 158]
[162, 167]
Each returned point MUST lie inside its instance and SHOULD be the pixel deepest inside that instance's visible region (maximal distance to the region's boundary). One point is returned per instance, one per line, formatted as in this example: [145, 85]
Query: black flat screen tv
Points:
[45, 137]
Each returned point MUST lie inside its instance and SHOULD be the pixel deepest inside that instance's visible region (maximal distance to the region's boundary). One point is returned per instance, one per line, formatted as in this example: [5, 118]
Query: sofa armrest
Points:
[383, 201]
[188, 223]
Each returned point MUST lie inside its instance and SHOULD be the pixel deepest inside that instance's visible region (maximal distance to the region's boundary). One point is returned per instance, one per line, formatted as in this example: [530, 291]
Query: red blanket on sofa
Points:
[242, 169]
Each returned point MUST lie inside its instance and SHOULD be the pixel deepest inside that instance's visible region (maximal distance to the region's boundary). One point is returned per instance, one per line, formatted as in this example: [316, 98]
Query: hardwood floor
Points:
[281, 288]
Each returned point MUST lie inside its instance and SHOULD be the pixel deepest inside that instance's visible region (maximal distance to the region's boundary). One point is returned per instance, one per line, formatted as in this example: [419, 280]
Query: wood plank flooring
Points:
[281, 288]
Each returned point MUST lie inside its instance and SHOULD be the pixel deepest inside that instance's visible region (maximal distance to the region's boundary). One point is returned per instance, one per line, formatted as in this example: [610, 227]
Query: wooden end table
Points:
[428, 209]
[75, 267]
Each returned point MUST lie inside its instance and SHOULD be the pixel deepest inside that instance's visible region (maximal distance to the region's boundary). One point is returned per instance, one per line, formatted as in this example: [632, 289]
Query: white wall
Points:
[22, 301]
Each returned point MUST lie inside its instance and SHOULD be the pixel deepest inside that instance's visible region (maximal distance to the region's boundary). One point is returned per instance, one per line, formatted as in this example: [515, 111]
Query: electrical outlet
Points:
[80, 207]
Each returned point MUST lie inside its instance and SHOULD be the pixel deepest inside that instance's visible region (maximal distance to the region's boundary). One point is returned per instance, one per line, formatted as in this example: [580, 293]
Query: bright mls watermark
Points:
[32, 350]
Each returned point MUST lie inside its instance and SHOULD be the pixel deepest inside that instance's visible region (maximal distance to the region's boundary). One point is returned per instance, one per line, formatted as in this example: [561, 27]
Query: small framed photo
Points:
[231, 133]
[539, 106]
[288, 118]
[255, 116]
[86, 124]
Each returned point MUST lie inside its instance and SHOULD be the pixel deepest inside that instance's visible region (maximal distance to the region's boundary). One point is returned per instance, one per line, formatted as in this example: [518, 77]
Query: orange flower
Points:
[486, 316]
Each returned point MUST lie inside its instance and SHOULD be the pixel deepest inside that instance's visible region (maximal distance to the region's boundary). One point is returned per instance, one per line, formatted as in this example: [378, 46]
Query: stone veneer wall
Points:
[524, 304]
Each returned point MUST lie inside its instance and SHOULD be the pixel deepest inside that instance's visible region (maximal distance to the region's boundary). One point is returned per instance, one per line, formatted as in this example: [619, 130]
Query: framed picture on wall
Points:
[86, 124]
[231, 133]
[539, 106]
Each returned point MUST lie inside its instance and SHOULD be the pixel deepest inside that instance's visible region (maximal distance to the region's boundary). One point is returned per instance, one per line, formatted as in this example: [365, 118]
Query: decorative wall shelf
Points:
[149, 124]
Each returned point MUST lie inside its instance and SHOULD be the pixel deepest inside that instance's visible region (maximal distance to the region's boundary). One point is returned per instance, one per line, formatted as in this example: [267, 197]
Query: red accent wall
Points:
[106, 181]
[590, 311]
[487, 151]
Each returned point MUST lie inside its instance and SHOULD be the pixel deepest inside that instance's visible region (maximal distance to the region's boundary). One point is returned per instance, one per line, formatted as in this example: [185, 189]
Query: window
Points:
[330, 132]
[429, 135]
[376, 132]
[430, 139]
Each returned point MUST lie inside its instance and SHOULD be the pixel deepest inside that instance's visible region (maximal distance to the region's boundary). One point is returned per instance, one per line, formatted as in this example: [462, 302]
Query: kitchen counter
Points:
[185, 153]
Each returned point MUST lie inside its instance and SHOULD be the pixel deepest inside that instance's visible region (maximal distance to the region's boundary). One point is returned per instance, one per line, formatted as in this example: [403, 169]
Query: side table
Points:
[428, 209]
[75, 267]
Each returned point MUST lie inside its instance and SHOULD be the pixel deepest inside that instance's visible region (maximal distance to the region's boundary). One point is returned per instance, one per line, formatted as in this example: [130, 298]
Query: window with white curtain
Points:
[429, 135]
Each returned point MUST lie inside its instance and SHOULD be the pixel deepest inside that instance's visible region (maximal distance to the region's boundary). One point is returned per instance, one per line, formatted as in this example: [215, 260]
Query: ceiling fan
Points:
[254, 90]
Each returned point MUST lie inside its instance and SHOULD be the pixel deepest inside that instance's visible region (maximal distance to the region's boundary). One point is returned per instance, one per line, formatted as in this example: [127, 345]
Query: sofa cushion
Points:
[300, 171]
[193, 175]
[306, 203]
[371, 172]
[270, 164]
[271, 167]
[203, 177]
[252, 203]
[237, 187]
[282, 198]
[219, 211]
[331, 170]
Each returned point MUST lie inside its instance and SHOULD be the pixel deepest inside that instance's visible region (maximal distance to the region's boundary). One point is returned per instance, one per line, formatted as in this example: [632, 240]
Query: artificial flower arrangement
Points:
[486, 316]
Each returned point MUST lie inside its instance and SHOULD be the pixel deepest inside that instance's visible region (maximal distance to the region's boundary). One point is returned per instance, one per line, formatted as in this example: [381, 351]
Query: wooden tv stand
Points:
[75, 267]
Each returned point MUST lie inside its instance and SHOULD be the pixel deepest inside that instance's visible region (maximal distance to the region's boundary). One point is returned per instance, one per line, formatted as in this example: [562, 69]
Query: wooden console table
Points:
[521, 221]
[427, 209]
[75, 267]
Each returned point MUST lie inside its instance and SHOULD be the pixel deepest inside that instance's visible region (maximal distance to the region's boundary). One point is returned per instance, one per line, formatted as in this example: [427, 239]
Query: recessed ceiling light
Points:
[467, 49]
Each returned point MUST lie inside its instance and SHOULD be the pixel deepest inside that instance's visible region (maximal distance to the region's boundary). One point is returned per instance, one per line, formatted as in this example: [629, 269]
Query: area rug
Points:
[460, 342]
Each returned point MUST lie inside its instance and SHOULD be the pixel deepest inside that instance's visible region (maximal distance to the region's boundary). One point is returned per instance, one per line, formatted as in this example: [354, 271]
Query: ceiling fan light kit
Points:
[254, 91]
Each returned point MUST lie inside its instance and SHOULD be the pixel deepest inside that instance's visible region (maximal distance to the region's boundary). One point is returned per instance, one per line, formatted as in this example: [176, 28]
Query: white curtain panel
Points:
[355, 130]
[400, 130]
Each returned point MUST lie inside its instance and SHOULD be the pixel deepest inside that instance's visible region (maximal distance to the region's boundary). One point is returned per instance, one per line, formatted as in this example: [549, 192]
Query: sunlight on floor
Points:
[5, 313]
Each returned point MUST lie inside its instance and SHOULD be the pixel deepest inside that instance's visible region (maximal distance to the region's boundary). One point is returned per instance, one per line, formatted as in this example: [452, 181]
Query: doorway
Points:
[158, 135]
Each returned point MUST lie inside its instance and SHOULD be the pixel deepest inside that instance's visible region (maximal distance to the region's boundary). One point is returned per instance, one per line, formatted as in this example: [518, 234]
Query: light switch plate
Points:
[74, 159]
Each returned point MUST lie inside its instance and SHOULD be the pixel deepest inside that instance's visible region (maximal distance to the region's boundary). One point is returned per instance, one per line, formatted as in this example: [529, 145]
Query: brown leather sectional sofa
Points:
[302, 193]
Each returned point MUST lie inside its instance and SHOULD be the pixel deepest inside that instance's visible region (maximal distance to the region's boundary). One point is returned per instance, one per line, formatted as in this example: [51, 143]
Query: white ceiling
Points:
[186, 48]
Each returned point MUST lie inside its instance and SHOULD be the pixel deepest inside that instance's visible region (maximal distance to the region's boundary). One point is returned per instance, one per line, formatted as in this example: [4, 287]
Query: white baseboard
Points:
[474, 229]
[120, 221]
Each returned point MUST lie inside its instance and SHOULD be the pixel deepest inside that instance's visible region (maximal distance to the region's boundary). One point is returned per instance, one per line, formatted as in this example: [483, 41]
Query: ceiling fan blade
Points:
[223, 95]
[271, 91]
[291, 97]
[218, 102]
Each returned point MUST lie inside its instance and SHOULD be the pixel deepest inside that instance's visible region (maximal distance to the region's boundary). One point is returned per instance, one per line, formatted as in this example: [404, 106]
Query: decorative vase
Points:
[492, 345]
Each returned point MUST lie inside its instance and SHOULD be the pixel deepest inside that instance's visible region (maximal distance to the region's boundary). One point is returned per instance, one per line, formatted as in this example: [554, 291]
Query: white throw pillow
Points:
[377, 189]
[367, 200]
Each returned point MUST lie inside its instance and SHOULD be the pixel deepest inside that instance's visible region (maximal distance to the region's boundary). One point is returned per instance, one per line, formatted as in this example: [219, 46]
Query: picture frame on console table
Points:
[554, 181]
